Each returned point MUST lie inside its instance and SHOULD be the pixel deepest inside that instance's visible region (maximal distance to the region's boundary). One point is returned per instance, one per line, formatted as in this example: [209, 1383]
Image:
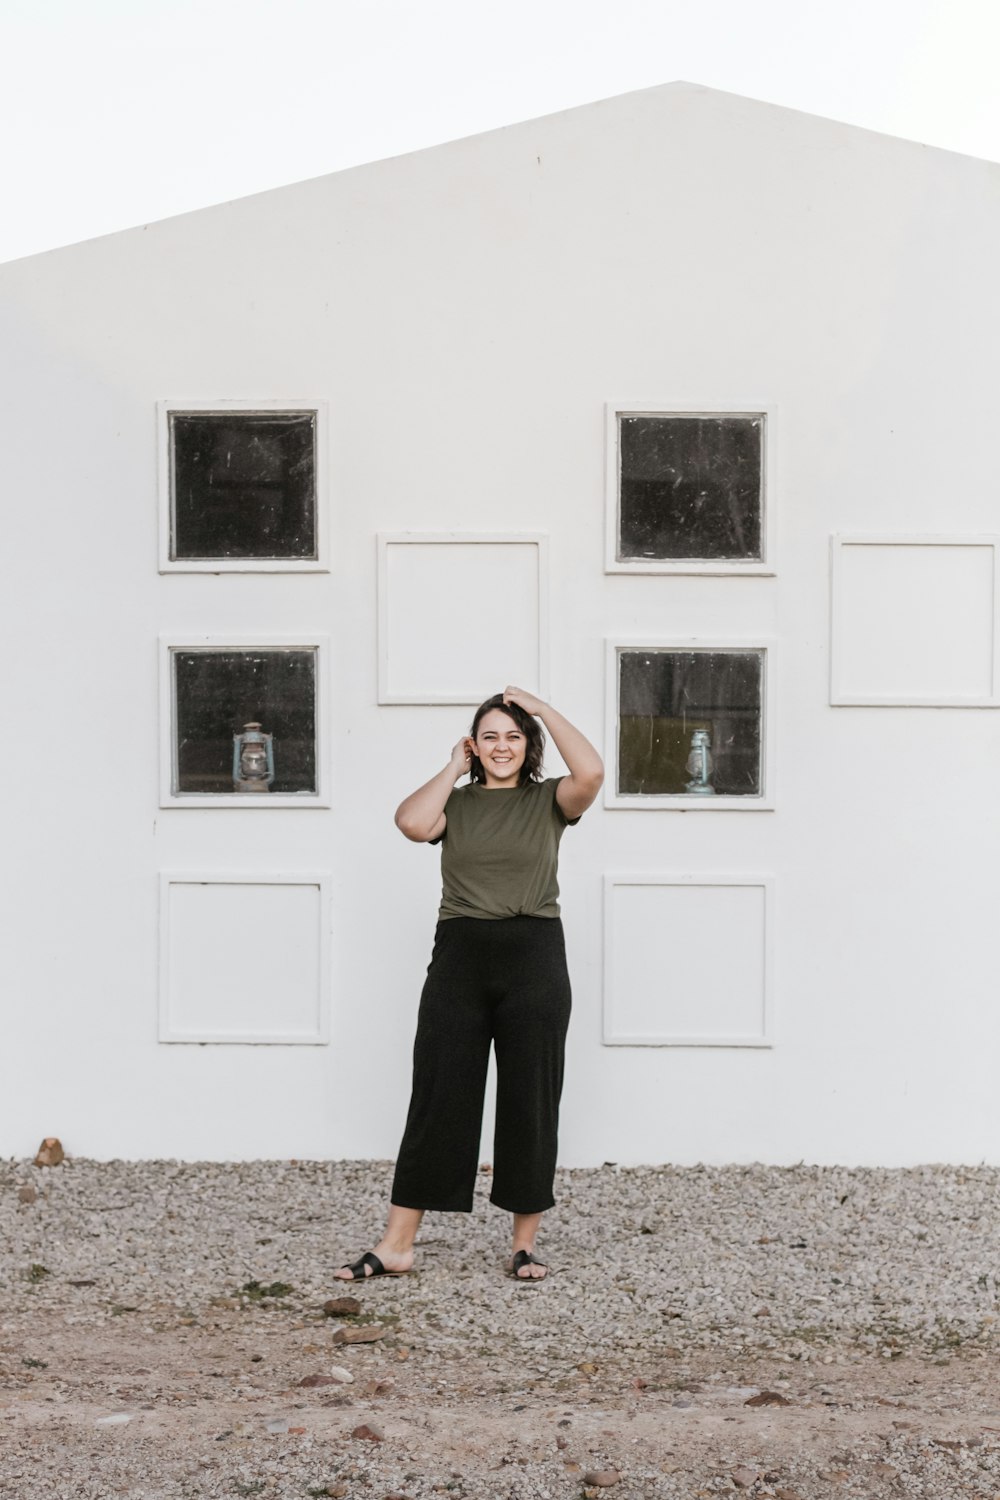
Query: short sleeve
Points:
[560, 815]
[441, 836]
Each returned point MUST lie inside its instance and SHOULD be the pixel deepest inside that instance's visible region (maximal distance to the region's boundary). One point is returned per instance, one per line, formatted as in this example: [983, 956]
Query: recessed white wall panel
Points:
[913, 621]
[686, 961]
[460, 617]
[242, 960]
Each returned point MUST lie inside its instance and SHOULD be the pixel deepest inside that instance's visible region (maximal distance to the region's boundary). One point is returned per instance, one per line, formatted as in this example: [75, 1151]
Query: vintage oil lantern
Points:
[253, 760]
[699, 765]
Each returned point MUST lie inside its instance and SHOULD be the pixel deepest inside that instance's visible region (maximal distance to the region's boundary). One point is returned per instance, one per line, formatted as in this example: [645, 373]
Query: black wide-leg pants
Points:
[502, 982]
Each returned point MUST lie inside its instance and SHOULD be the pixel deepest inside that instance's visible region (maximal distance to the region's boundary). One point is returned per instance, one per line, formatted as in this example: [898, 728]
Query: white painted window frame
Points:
[248, 640]
[319, 878]
[766, 565]
[766, 1037]
[840, 696]
[680, 802]
[386, 539]
[318, 564]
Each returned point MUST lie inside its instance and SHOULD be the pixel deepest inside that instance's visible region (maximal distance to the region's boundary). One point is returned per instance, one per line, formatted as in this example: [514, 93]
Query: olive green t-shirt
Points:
[500, 850]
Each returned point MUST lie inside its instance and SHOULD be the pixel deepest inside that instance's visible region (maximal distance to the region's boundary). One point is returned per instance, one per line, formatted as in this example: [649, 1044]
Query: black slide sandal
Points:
[525, 1258]
[358, 1272]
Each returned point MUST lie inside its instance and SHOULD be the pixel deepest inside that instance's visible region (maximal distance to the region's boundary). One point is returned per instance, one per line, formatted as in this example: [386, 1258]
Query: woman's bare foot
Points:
[395, 1263]
[394, 1249]
[526, 1227]
[525, 1267]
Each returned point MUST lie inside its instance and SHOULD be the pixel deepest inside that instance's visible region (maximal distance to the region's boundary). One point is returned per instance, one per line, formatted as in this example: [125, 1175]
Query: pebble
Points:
[341, 1307]
[369, 1432]
[601, 1478]
[369, 1335]
[50, 1152]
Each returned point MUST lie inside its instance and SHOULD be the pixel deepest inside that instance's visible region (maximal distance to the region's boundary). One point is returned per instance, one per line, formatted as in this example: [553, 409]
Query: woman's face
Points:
[501, 747]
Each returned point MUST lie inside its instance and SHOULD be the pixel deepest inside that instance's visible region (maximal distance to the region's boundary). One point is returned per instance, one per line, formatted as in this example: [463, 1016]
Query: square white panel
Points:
[687, 960]
[460, 616]
[243, 958]
[913, 621]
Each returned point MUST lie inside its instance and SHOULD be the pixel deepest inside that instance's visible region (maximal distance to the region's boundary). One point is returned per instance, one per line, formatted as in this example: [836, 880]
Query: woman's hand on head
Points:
[527, 701]
[461, 756]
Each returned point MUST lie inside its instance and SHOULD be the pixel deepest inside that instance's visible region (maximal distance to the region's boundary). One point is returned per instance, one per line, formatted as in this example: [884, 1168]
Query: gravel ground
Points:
[159, 1320]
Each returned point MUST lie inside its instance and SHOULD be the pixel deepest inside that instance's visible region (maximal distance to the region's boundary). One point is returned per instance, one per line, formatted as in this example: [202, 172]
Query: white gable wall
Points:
[467, 312]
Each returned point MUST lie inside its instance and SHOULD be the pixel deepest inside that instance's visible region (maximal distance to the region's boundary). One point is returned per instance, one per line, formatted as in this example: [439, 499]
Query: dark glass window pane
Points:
[244, 484]
[691, 487]
[218, 692]
[665, 696]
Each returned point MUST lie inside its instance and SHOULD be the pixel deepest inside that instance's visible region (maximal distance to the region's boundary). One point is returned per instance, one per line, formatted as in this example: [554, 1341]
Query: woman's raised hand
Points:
[461, 756]
[527, 701]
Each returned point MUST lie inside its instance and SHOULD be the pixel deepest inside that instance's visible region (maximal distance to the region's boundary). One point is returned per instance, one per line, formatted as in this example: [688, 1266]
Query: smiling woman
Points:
[497, 977]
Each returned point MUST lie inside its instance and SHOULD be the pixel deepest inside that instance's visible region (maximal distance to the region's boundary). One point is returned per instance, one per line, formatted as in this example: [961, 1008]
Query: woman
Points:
[497, 974]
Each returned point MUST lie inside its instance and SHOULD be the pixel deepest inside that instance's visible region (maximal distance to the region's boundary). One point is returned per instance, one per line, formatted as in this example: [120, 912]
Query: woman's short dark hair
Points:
[529, 726]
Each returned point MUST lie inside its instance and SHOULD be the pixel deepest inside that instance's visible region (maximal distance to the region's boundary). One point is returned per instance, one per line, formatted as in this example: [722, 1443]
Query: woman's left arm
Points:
[576, 791]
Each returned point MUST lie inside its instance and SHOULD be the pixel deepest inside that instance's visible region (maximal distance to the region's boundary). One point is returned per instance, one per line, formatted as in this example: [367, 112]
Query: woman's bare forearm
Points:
[418, 815]
[582, 760]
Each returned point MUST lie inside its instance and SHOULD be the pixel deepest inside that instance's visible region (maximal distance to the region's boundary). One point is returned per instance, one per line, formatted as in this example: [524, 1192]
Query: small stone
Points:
[587, 1368]
[297, 1430]
[117, 1419]
[743, 1477]
[601, 1478]
[341, 1307]
[337, 1490]
[768, 1398]
[308, 1382]
[50, 1152]
[562, 1443]
[340, 1375]
[27, 1193]
[379, 1387]
[369, 1432]
[570, 1466]
[888, 1470]
[278, 1425]
[369, 1335]
[787, 1494]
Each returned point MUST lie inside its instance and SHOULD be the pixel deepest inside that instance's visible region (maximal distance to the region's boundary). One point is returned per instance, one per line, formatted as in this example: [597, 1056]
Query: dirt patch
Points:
[216, 1406]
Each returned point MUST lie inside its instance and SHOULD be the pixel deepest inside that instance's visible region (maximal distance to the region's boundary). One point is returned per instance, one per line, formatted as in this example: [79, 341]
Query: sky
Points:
[120, 112]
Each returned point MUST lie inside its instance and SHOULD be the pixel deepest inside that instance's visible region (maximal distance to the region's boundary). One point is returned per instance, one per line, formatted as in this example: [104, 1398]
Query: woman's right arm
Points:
[420, 816]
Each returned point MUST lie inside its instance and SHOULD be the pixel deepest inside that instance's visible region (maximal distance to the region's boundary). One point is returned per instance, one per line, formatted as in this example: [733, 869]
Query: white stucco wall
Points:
[467, 311]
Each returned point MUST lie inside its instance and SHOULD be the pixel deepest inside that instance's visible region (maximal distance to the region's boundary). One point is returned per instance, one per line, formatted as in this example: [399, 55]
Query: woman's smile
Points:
[501, 748]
